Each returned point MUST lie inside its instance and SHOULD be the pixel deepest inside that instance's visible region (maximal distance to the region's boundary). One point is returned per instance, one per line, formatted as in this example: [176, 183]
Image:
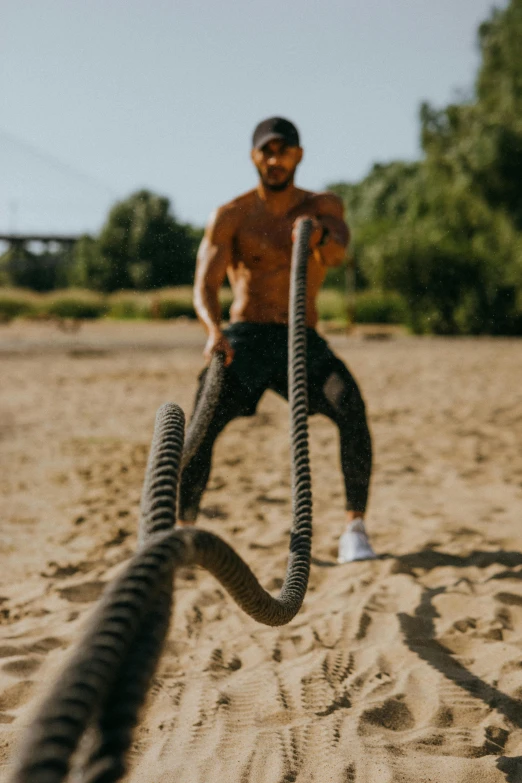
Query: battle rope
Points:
[205, 408]
[88, 718]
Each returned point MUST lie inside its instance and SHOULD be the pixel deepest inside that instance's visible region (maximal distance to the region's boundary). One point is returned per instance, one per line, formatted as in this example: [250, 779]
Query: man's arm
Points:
[329, 245]
[214, 256]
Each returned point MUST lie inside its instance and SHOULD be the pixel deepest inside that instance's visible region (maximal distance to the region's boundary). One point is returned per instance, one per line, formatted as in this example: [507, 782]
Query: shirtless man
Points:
[250, 241]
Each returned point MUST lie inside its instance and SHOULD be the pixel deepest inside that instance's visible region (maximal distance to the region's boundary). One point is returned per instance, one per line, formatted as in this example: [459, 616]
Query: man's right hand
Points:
[218, 343]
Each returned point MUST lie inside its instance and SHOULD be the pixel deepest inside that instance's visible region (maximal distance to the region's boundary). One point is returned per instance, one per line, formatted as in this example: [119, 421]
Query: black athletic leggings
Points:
[260, 363]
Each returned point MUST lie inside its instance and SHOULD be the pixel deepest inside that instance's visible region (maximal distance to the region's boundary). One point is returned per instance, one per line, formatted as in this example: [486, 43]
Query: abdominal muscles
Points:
[264, 298]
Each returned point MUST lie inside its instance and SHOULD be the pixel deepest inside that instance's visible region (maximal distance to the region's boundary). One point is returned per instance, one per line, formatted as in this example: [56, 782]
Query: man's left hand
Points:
[316, 233]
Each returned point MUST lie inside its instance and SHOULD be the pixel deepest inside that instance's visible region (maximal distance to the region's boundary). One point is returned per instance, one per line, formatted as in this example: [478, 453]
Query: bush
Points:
[374, 307]
[74, 303]
[173, 303]
[332, 305]
[16, 302]
[45, 271]
[177, 302]
[129, 305]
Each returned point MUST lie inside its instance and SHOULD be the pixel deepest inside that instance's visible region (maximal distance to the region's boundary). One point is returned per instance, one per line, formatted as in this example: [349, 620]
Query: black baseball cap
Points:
[275, 128]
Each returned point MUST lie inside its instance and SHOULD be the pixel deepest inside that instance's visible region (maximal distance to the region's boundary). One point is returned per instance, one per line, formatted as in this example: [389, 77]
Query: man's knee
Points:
[344, 396]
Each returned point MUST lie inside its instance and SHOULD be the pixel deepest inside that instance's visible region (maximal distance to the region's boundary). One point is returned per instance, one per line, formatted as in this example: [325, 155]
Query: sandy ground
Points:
[403, 669]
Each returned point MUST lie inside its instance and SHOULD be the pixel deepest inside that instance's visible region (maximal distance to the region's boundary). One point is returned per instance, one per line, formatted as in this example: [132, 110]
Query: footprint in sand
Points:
[337, 666]
[45, 645]
[444, 717]
[219, 667]
[364, 623]
[27, 660]
[13, 697]
[22, 667]
[392, 714]
[83, 593]
[64, 571]
[511, 599]
[41, 646]
[6, 651]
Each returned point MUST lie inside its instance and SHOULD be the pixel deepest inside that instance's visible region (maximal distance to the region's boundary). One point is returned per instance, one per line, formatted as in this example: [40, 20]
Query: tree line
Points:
[446, 231]
[142, 246]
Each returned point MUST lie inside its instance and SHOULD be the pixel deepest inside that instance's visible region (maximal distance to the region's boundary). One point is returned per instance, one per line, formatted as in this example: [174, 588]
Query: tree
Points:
[144, 246]
[89, 269]
[44, 271]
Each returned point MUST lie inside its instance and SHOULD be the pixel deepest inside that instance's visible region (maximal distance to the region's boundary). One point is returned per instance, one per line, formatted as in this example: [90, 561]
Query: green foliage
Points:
[15, 302]
[73, 303]
[368, 307]
[168, 303]
[446, 232]
[89, 269]
[380, 307]
[174, 303]
[332, 305]
[19, 267]
[177, 302]
[336, 278]
[143, 246]
[126, 305]
[439, 239]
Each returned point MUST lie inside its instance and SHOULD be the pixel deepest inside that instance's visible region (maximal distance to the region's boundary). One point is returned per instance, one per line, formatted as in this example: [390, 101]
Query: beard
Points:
[277, 187]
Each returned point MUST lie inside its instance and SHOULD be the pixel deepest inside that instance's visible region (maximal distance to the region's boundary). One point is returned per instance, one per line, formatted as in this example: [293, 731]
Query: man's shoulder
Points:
[236, 207]
[324, 202]
[226, 219]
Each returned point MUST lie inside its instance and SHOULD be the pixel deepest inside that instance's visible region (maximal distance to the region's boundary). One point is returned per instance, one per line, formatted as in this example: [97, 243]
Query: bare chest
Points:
[264, 242]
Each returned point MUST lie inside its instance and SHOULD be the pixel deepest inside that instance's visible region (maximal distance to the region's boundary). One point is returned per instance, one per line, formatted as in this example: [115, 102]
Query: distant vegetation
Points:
[142, 246]
[446, 232]
[437, 242]
[161, 303]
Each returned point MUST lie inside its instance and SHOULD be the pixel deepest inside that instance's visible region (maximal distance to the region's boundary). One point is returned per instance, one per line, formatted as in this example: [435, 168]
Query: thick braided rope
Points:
[205, 408]
[106, 762]
[125, 636]
[106, 682]
[89, 679]
[160, 488]
[301, 536]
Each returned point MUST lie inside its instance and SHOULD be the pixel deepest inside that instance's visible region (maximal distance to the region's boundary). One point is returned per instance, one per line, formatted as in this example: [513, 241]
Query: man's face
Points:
[276, 163]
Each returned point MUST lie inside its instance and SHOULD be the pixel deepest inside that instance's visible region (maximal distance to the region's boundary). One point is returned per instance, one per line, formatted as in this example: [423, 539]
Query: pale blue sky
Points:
[115, 95]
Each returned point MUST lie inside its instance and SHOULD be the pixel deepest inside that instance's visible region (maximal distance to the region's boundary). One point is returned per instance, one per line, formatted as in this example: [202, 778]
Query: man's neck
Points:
[279, 202]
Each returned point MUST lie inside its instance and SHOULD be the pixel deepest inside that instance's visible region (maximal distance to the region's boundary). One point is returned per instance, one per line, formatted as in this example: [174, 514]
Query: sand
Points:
[403, 669]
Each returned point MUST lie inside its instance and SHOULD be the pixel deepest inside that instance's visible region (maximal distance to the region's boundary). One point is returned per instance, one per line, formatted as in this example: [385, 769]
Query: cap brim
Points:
[269, 137]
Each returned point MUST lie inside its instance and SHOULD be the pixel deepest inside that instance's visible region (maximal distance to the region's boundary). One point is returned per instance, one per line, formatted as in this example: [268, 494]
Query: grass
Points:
[332, 305]
[16, 302]
[73, 303]
[376, 307]
[129, 305]
[171, 303]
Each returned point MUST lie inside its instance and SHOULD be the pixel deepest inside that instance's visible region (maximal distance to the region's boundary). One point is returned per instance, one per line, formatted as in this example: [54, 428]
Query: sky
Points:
[99, 98]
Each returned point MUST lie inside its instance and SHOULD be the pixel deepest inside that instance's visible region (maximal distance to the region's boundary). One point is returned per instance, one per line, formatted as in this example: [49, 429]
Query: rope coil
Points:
[101, 690]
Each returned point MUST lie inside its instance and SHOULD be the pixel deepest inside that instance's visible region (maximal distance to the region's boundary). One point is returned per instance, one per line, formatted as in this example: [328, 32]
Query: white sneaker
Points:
[354, 544]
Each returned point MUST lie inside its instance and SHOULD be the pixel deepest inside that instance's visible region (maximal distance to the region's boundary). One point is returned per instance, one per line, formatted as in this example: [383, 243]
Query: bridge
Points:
[20, 240]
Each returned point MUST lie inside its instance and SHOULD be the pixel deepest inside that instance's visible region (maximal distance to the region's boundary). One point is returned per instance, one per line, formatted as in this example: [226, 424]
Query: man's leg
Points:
[335, 394]
[244, 383]
[195, 476]
[340, 400]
